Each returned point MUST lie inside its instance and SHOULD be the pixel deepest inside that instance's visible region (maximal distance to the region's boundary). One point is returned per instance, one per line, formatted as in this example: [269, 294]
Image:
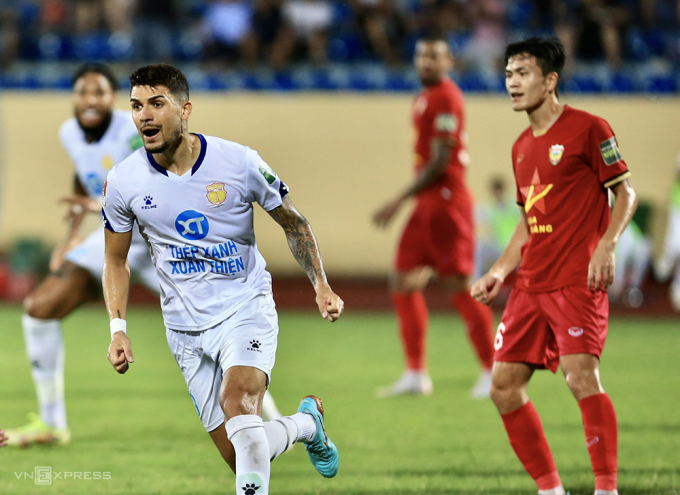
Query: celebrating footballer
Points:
[192, 197]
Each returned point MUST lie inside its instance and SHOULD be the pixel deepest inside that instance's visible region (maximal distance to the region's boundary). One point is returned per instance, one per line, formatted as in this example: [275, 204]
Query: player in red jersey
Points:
[440, 232]
[565, 164]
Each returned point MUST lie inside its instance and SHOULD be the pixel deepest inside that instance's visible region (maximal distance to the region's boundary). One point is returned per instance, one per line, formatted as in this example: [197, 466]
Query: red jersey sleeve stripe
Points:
[619, 178]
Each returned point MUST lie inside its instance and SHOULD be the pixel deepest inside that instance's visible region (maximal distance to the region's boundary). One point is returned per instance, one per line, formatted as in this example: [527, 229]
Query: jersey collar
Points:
[194, 169]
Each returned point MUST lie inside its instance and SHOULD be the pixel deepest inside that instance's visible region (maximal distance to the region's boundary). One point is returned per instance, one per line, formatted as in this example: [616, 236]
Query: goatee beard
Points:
[94, 134]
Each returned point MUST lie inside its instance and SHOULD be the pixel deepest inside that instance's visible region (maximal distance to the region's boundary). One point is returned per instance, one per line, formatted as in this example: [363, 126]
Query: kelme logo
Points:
[575, 331]
[192, 225]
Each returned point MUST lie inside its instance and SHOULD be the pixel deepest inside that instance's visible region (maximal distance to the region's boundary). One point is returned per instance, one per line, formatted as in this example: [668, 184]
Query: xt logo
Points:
[192, 225]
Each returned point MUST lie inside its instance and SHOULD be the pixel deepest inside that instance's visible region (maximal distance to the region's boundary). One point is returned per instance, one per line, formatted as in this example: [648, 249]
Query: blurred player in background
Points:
[565, 164]
[3, 439]
[633, 256]
[192, 197]
[496, 221]
[669, 263]
[439, 235]
[95, 139]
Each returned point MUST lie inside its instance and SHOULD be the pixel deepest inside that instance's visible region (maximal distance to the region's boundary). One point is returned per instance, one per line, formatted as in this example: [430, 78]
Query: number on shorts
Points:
[499, 336]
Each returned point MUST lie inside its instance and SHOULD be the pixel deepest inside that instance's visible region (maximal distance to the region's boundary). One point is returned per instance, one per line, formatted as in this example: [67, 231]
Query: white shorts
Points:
[247, 338]
[90, 256]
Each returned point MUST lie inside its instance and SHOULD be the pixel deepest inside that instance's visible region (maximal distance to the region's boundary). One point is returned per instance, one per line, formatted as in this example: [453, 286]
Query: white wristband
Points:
[118, 325]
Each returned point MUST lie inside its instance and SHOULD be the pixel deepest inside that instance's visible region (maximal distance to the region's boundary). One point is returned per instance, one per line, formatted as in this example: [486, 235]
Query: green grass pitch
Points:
[142, 427]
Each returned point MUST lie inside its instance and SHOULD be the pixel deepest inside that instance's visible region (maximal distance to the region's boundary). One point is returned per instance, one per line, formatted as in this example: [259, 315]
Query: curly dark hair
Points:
[162, 75]
[95, 68]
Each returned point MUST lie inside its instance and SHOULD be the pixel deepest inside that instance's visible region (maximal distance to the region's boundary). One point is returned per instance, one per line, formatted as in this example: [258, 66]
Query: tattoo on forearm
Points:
[301, 240]
[118, 311]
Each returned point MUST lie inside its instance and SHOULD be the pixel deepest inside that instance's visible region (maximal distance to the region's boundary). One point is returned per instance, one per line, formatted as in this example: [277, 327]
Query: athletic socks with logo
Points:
[45, 350]
[247, 435]
[527, 439]
[601, 430]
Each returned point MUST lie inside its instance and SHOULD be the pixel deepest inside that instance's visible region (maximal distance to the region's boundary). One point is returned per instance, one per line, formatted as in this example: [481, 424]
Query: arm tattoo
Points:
[301, 240]
[118, 311]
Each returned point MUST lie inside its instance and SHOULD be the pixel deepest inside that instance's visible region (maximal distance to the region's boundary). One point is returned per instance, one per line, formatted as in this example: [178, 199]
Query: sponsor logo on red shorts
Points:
[575, 331]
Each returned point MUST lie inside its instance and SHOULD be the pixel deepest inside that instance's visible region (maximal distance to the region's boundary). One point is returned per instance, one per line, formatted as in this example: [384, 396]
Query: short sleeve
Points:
[446, 119]
[605, 156]
[115, 212]
[264, 186]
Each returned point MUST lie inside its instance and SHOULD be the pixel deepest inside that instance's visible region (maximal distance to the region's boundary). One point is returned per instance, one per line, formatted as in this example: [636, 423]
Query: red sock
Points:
[412, 314]
[599, 423]
[479, 321]
[525, 432]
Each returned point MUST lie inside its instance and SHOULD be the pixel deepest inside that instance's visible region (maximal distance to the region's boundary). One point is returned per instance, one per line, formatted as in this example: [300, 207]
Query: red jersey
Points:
[439, 112]
[562, 179]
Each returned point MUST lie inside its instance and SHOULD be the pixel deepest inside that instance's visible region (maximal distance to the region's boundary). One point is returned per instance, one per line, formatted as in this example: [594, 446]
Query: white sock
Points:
[247, 435]
[606, 492]
[306, 426]
[553, 491]
[281, 434]
[45, 350]
[269, 410]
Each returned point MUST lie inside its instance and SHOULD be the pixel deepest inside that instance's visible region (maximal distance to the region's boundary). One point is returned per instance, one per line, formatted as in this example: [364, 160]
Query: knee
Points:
[507, 396]
[583, 382]
[39, 308]
[239, 400]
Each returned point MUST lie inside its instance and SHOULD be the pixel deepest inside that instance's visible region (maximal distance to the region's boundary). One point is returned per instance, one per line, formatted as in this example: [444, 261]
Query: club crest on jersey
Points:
[216, 193]
[192, 225]
[107, 162]
[555, 154]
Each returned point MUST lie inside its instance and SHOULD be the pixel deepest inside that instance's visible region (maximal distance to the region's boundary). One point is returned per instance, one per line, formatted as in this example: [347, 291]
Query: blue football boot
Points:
[322, 451]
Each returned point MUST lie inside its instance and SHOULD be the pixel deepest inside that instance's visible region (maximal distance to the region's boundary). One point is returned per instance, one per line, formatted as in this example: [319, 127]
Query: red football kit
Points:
[562, 177]
[440, 232]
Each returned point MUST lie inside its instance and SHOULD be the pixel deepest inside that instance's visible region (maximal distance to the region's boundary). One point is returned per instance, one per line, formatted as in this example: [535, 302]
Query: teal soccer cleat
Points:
[322, 451]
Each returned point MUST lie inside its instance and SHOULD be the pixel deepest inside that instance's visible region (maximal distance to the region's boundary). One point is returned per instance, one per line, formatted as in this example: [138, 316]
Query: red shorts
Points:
[440, 237]
[539, 327]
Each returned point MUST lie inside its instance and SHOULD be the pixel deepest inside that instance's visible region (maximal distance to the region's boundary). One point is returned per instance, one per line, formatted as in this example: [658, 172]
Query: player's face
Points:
[433, 60]
[93, 100]
[158, 117]
[526, 84]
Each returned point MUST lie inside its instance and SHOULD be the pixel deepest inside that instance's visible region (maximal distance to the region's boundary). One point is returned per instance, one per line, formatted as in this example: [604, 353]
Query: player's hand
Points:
[3, 439]
[601, 266]
[80, 205]
[120, 354]
[384, 215]
[486, 288]
[330, 304]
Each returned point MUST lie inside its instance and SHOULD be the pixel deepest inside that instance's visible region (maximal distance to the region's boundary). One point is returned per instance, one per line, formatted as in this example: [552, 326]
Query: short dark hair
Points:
[162, 75]
[549, 54]
[95, 68]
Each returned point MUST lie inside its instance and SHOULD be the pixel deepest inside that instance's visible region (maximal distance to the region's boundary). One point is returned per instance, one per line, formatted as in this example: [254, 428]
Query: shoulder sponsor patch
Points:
[268, 173]
[446, 122]
[609, 150]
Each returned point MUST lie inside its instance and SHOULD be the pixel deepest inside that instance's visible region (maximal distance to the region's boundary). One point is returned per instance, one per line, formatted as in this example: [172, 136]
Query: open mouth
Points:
[151, 133]
[90, 113]
[516, 96]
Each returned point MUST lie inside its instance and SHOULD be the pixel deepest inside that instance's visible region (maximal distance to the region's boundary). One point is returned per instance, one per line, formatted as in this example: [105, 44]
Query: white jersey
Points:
[94, 160]
[199, 226]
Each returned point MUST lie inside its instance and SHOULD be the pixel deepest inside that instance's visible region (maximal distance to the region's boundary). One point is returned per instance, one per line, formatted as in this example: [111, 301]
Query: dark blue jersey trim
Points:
[283, 189]
[201, 156]
[197, 165]
[107, 224]
[156, 165]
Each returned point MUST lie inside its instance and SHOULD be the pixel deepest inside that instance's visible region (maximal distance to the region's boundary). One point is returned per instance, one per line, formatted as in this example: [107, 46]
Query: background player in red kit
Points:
[565, 163]
[440, 233]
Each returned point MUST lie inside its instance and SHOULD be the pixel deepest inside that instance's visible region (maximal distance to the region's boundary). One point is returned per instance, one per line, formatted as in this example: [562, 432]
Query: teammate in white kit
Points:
[192, 197]
[95, 138]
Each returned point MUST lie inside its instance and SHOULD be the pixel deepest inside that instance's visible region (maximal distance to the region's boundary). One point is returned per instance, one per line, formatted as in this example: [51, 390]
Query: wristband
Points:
[118, 325]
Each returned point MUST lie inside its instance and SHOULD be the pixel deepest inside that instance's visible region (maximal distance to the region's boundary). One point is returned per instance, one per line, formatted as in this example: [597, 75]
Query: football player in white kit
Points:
[95, 138]
[192, 197]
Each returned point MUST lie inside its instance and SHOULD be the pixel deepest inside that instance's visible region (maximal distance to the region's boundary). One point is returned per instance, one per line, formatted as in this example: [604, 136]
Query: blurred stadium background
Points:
[323, 89]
